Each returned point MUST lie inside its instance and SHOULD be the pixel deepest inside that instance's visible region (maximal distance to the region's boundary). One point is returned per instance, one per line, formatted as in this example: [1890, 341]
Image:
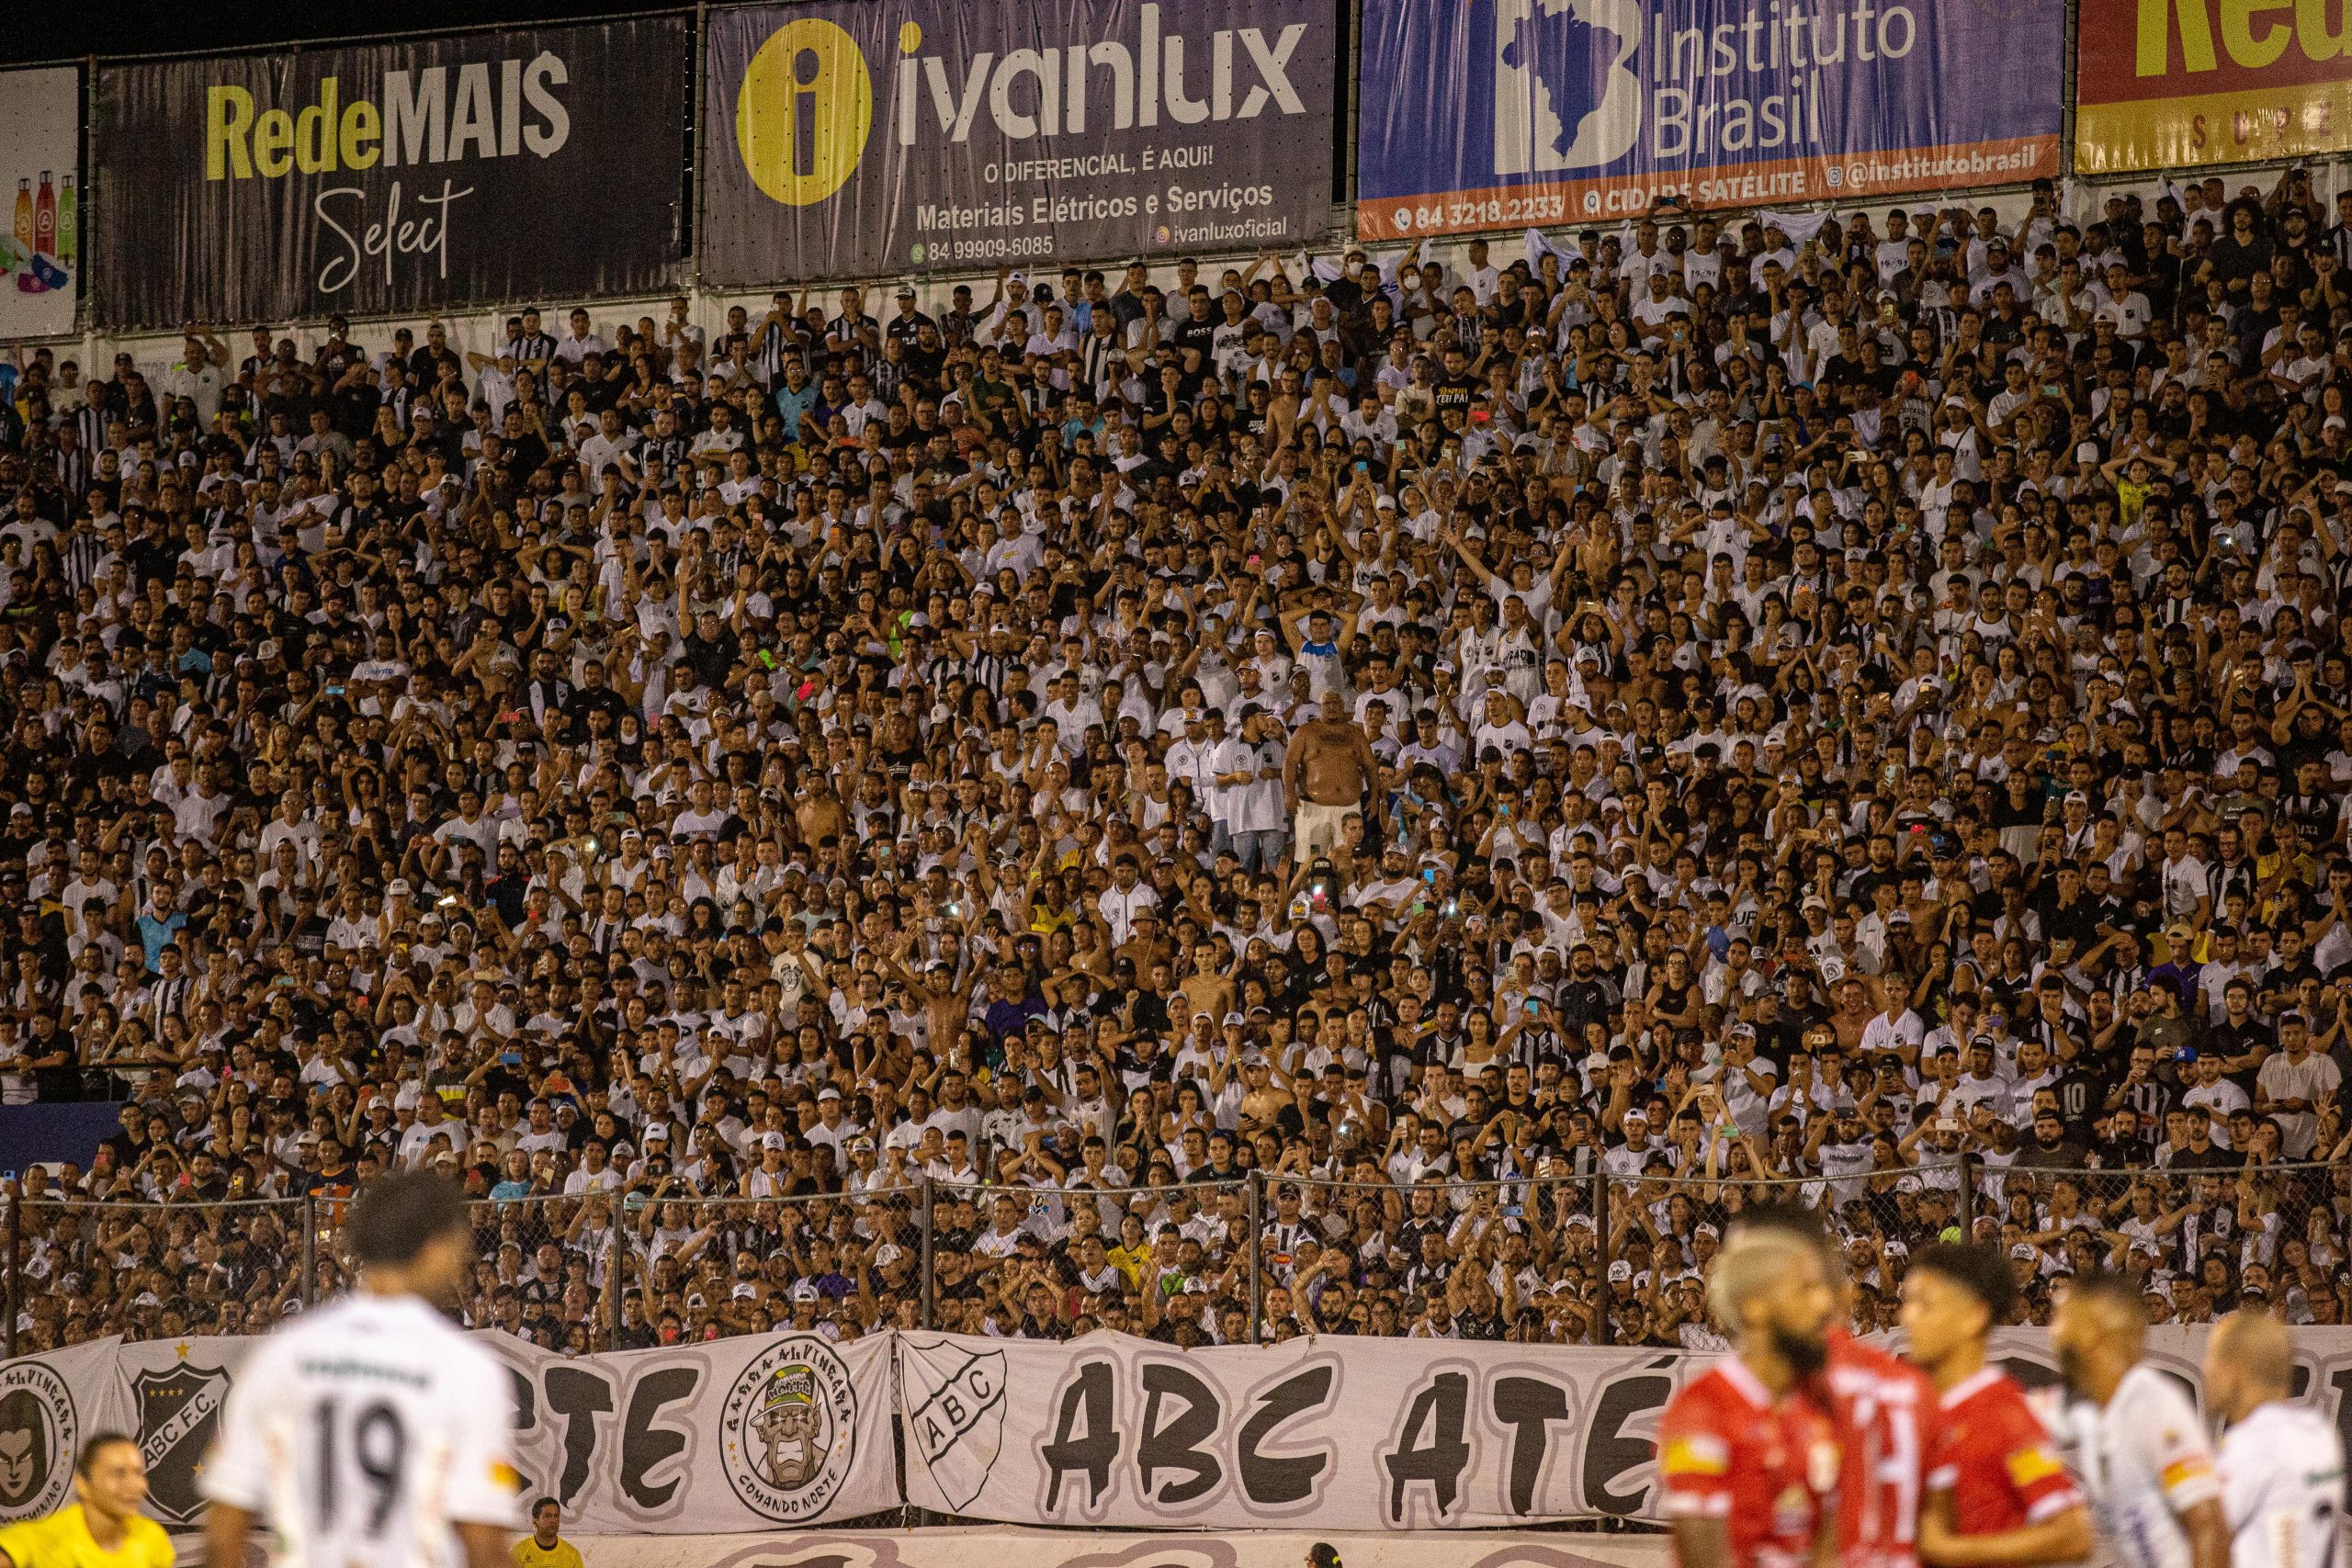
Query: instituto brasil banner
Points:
[1516, 113]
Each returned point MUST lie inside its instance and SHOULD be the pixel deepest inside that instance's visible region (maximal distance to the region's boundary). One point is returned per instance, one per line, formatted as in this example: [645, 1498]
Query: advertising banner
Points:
[1525, 113]
[2164, 83]
[426, 174]
[40, 150]
[843, 140]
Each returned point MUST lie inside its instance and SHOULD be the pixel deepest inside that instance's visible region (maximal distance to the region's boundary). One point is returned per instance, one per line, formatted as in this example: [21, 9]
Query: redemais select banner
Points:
[843, 138]
[535, 164]
[1501, 114]
[2164, 83]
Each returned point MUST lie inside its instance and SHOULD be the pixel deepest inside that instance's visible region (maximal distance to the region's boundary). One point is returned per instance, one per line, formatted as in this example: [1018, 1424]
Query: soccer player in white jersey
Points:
[2138, 1445]
[372, 1433]
[2282, 1463]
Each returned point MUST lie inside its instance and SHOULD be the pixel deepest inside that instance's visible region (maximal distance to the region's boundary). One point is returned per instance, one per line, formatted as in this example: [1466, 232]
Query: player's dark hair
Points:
[396, 1215]
[1980, 1270]
[538, 1503]
[1323, 1554]
[97, 1444]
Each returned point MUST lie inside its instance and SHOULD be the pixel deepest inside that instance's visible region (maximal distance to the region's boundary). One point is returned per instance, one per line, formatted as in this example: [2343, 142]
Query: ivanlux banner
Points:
[418, 174]
[843, 140]
[1518, 113]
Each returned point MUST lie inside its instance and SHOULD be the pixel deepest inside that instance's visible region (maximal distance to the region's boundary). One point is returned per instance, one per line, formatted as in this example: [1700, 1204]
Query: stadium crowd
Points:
[1414, 777]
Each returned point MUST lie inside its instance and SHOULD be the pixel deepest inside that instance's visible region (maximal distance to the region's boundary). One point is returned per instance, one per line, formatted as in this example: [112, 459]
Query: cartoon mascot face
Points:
[24, 1449]
[790, 1424]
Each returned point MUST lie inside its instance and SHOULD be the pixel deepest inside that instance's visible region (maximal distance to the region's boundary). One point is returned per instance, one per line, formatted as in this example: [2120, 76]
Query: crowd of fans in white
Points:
[1192, 763]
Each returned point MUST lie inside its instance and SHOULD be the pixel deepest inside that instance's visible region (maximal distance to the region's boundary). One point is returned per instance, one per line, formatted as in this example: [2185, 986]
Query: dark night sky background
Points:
[45, 30]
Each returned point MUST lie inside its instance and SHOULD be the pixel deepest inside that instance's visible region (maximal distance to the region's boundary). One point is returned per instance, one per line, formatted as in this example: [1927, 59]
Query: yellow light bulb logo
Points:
[809, 67]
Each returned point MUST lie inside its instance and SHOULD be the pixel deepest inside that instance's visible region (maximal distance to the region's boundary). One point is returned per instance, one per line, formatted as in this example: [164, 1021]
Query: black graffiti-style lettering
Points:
[576, 1397]
[1444, 1405]
[526, 1401]
[1085, 1398]
[1528, 1406]
[2029, 1374]
[644, 1445]
[1269, 1480]
[1178, 1446]
[1609, 1453]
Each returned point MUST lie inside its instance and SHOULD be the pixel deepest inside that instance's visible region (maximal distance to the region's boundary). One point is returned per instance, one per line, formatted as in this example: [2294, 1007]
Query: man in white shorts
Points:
[1327, 769]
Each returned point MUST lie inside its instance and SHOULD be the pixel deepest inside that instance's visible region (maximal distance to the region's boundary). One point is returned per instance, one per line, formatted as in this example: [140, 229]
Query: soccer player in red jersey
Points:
[1746, 1460]
[1881, 1409]
[1885, 1413]
[1997, 1495]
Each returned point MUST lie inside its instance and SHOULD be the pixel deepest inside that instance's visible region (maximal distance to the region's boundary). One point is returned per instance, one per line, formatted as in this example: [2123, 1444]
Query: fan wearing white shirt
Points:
[1127, 896]
[2281, 1462]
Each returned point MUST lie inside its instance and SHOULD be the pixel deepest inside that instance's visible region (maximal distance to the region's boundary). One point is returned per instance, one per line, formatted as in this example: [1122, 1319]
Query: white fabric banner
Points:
[793, 1432]
[1350, 1434]
[730, 1435]
[999, 1546]
[48, 1404]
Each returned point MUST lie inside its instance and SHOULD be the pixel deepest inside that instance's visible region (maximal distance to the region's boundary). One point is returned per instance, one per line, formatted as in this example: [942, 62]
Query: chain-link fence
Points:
[148, 1270]
[1594, 1257]
[1057, 1261]
[2208, 1239]
[1481, 1259]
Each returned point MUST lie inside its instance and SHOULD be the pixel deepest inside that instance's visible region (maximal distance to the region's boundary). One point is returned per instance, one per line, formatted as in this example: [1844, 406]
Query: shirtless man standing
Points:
[1326, 772]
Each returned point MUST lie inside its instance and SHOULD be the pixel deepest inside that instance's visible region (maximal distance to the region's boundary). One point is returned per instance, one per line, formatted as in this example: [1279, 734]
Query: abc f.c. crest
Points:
[791, 1430]
[179, 1413]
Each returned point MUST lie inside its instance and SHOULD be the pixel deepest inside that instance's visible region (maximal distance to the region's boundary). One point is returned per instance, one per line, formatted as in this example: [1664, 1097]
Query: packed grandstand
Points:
[1384, 793]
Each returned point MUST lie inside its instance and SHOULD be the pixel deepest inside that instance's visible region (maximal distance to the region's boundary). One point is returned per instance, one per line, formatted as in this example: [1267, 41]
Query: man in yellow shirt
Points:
[543, 1548]
[104, 1529]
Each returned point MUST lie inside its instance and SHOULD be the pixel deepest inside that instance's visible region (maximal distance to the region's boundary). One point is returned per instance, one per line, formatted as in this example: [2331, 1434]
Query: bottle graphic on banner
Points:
[68, 223]
[26, 282]
[45, 217]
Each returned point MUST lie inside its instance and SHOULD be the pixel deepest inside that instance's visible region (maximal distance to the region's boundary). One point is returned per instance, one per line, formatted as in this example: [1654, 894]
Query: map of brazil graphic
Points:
[1565, 96]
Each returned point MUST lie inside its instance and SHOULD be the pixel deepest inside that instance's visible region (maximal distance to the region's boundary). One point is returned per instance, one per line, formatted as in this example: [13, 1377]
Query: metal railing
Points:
[1586, 1257]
